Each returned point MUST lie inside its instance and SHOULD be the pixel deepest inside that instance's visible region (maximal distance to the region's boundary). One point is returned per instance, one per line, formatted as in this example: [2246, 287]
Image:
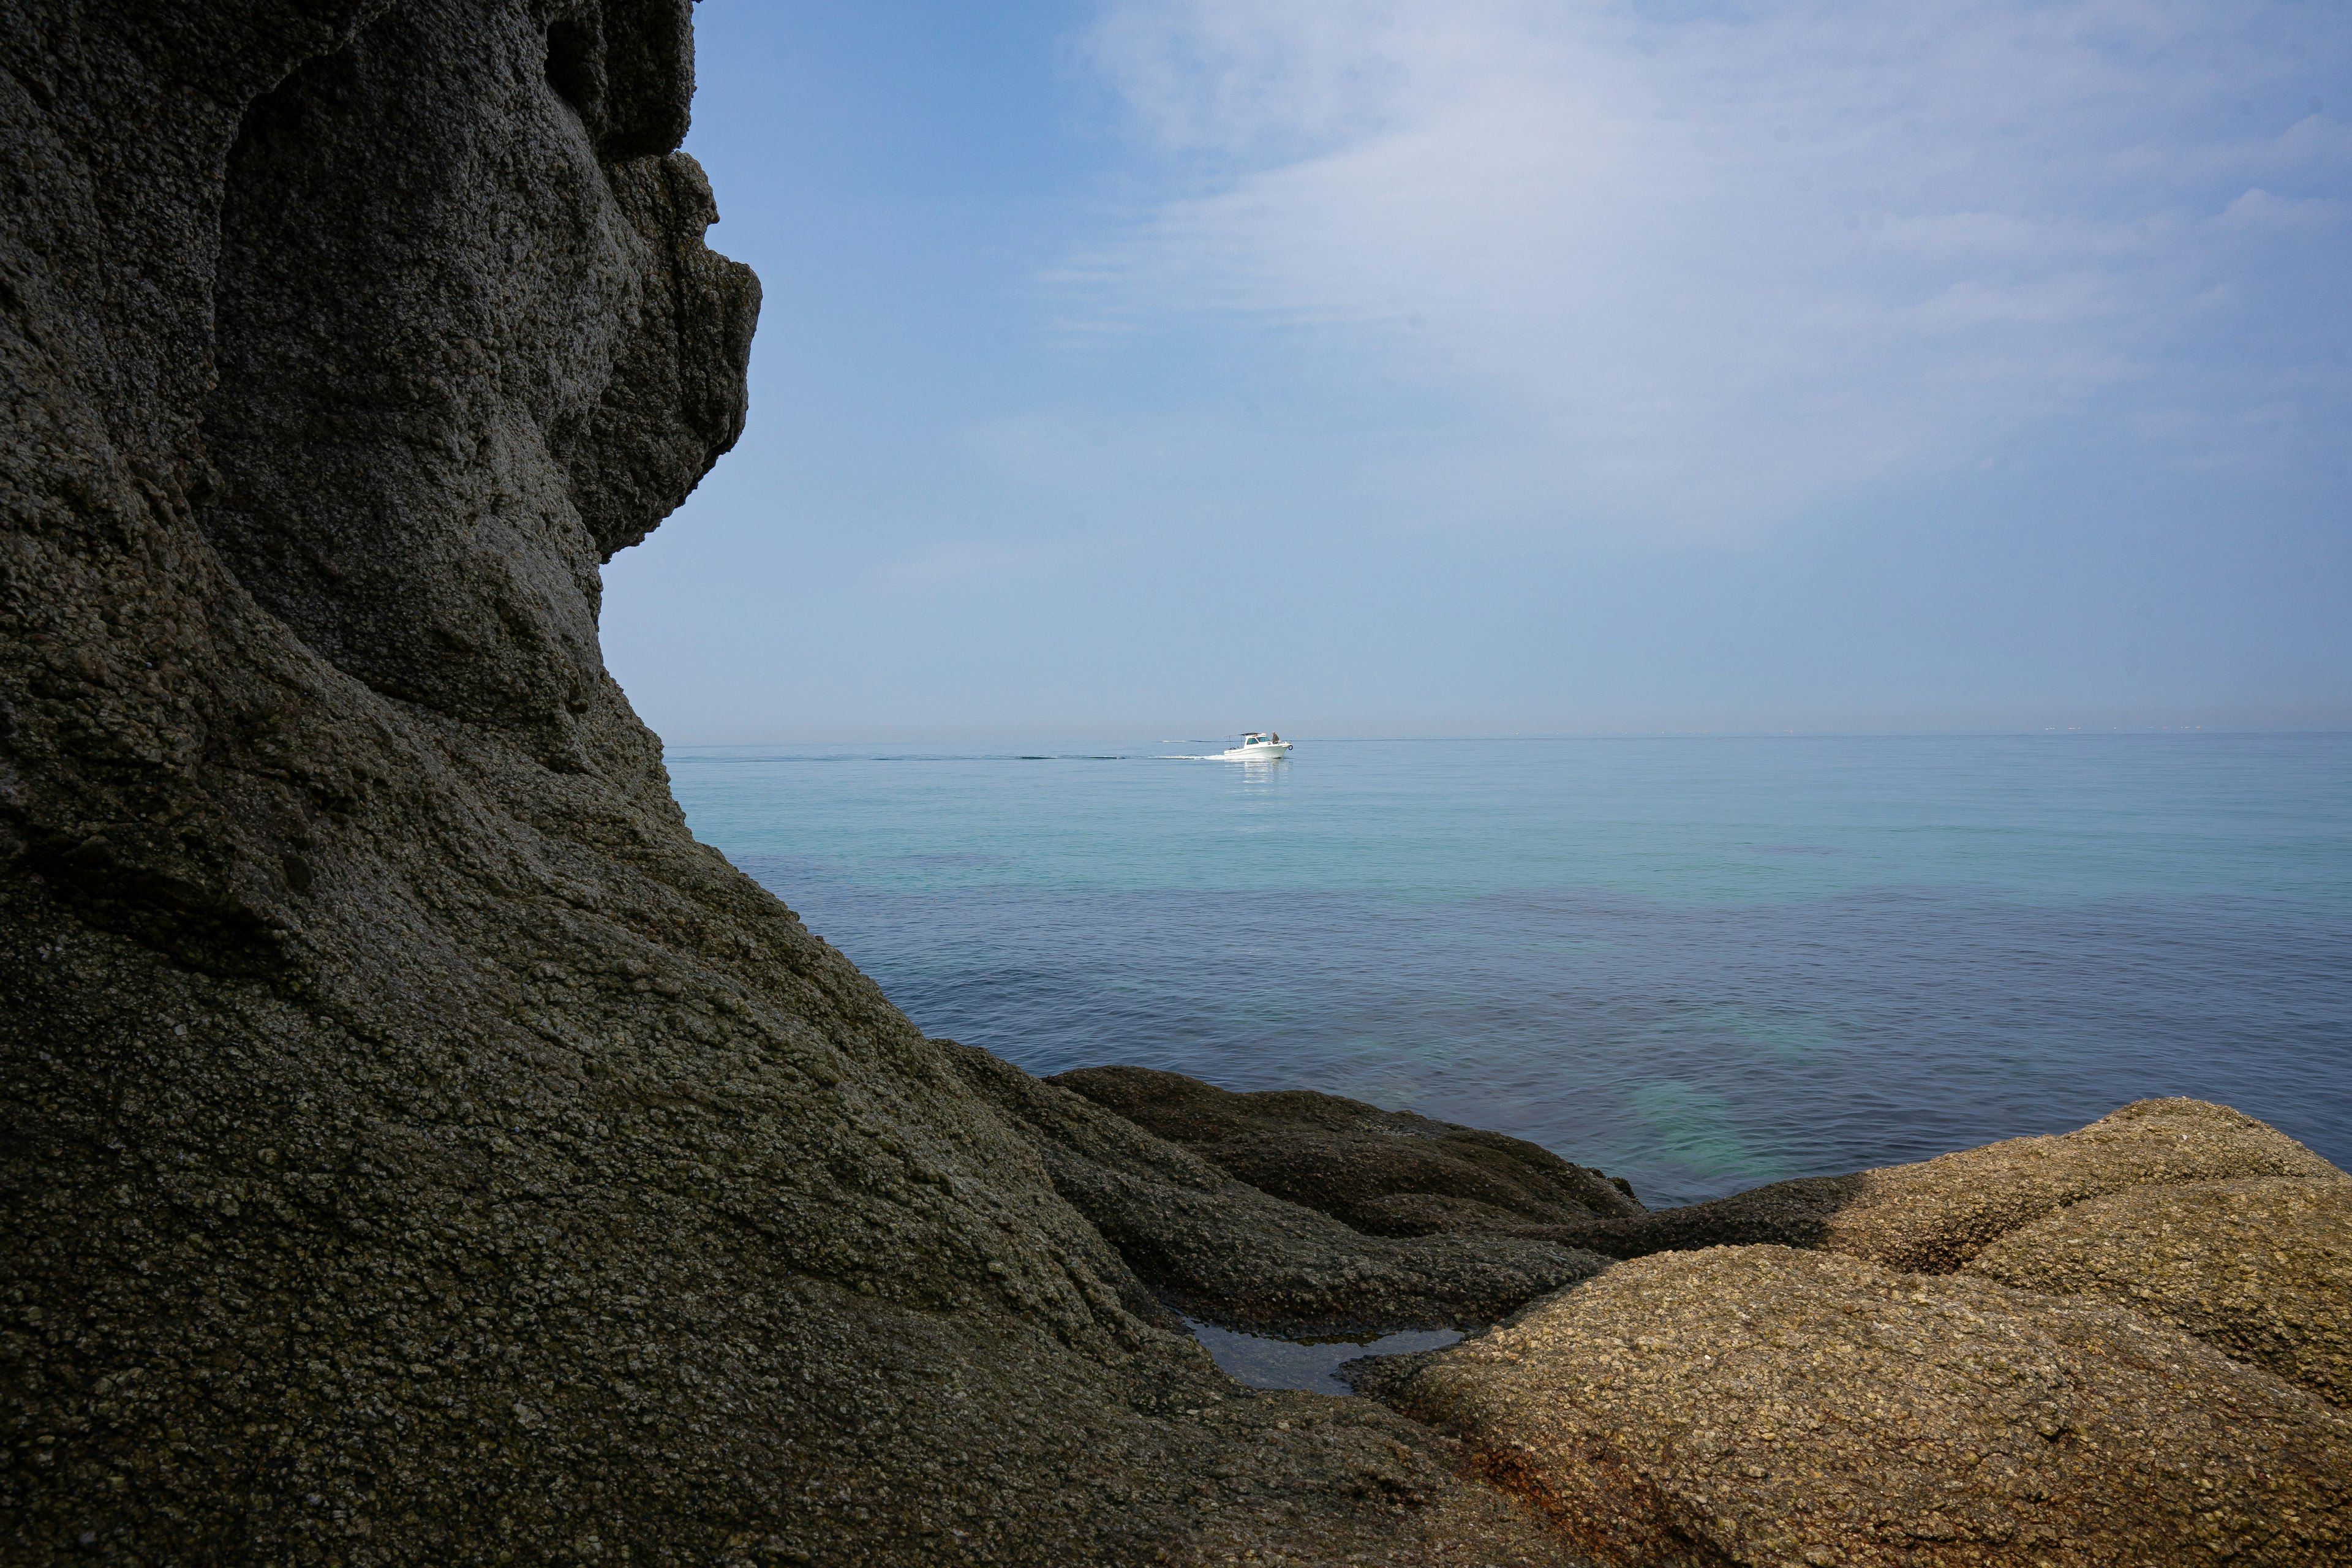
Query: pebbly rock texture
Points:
[1385, 1172]
[2260, 1269]
[1935, 1216]
[1225, 1250]
[413, 1146]
[1762, 1405]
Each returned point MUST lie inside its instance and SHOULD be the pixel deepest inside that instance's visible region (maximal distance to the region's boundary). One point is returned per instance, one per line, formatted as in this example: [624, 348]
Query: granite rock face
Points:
[1934, 1216]
[2123, 1369]
[1758, 1404]
[1385, 1172]
[413, 1146]
[2260, 1269]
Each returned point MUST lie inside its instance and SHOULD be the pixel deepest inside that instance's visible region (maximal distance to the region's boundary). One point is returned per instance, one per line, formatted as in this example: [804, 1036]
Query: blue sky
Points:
[1448, 366]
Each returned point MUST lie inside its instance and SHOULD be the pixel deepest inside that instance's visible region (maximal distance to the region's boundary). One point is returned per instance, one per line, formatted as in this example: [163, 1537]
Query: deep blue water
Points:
[1700, 964]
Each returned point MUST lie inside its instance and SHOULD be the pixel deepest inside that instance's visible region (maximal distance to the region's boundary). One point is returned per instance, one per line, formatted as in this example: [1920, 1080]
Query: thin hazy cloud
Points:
[1702, 267]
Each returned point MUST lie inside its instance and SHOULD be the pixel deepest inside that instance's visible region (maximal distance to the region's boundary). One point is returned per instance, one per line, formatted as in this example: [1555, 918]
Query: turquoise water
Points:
[1702, 964]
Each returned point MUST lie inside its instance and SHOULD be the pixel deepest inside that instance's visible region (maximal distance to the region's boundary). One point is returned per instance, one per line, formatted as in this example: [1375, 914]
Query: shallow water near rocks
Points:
[1261, 1361]
[1699, 964]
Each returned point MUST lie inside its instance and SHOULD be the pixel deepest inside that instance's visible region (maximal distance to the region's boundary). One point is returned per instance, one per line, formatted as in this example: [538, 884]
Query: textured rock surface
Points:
[415, 1147]
[1935, 1216]
[419, 367]
[1760, 1404]
[1224, 1250]
[2259, 1268]
[1385, 1172]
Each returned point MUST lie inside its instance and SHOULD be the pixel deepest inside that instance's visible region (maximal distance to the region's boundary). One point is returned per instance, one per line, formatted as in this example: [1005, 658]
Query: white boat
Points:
[1259, 746]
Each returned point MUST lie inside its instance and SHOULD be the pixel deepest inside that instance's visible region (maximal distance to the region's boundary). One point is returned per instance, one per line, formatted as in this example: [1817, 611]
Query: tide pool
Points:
[1700, 964]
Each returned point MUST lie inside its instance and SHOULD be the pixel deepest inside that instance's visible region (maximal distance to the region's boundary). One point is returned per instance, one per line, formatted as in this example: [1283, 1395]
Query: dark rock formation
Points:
[1758, 1404]
[1225, 1250]
[413, 1146]
[1386, 1173]
[2259, 1268]
[436, 319]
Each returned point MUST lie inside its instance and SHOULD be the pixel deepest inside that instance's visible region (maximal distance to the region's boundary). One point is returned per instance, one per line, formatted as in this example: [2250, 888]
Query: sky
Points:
[1165, 368]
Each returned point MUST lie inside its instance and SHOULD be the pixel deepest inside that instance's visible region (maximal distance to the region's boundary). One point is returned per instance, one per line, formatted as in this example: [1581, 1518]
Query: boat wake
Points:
[1257, 746]
[1214, 757]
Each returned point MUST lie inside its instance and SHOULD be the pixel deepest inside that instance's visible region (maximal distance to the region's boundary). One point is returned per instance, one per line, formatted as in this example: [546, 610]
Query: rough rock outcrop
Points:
[1385, 1172]
[2260, 1269]
[1226, 1251]
[1760, 1404]
[413, 1146]
[1935, 1216]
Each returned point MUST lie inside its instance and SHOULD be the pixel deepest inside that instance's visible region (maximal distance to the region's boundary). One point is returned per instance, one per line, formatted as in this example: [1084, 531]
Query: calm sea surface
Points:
[1699, 964]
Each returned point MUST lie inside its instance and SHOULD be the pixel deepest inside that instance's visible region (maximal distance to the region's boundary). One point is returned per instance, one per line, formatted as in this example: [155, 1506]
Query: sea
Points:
[1702, 964]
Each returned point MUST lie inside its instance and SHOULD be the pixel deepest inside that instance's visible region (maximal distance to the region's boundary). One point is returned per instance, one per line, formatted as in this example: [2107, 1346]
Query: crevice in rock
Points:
[575, 69]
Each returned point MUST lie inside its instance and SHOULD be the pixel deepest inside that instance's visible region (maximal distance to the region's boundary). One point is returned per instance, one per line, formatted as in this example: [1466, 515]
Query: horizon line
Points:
[1886, 734]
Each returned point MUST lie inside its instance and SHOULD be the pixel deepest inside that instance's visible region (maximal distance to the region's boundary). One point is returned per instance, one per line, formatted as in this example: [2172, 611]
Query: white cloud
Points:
[1706, 272]
[2260, 208]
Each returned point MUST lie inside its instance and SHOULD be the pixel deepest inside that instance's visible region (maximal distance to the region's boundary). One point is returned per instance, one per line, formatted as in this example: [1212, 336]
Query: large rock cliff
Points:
[413, 1146]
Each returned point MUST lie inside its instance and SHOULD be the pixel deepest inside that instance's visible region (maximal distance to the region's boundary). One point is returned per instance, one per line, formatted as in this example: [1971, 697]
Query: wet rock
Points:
[1935, 1216]
[1223, 1250]
[1385, 1172]
[2260, 1269]
[1761, 1404]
